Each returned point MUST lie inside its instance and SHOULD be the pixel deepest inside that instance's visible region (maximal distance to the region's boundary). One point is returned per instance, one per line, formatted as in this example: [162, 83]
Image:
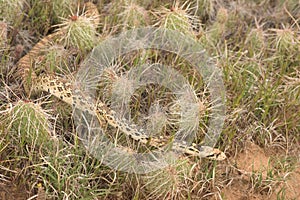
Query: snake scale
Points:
[62, 89]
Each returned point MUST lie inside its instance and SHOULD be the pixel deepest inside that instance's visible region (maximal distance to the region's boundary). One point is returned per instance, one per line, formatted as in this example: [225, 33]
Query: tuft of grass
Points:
[11, 11]
[60, 167]
[254, 43]
[3, 35]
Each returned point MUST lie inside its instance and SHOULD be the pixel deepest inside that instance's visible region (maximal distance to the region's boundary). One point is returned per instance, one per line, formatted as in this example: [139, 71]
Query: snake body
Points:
[62, 89]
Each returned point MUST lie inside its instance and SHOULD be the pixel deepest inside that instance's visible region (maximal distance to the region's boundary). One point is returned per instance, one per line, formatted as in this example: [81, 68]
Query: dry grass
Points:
[255, 44]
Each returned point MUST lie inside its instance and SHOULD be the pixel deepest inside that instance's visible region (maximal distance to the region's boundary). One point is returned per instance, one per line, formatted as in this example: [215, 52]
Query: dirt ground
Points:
[11, 191]
[254, 159]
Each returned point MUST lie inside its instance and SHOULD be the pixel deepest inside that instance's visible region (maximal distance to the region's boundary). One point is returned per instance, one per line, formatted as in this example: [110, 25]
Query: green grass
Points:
[255, 44]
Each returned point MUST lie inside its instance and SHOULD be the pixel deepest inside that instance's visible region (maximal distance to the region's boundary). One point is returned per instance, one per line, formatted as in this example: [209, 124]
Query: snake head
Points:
[209, 152]
[216, 154]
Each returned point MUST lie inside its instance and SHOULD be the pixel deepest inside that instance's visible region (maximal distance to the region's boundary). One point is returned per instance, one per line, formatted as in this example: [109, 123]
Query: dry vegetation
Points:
[256, 44]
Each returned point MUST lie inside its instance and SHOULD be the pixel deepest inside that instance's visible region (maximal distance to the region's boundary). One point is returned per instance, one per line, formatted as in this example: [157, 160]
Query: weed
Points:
[254, 43]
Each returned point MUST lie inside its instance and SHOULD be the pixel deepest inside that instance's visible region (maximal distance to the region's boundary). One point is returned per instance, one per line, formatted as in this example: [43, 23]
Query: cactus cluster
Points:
[255, 44]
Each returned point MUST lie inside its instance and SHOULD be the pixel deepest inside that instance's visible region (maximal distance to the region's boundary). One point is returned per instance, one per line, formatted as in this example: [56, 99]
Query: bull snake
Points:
[62, 89]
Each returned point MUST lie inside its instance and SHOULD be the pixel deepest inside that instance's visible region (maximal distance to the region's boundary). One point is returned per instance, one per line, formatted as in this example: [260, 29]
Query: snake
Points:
[62, 88]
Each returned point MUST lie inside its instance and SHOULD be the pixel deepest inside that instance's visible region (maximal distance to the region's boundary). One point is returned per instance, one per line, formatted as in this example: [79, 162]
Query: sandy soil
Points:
[255, 160]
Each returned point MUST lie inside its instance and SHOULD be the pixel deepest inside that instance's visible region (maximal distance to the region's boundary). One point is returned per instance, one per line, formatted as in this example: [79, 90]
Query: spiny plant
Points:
[70, 173]
[189, 114]
[29, 124]
[50, 160]
[177, 18]
[26, 134]
[168, 183]
[43, 14]
[286, 41]
[157, 119]
[262, 97]
[205, 9]
[133, 16]
[255, 42]
[56, 60]
[80, 31]
[124, 15]
[61, 8]
[222, 28]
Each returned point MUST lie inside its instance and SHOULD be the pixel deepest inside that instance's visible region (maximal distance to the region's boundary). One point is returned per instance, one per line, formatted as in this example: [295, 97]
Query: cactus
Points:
[255, 41]
[177, 18]
[29, 122]
[168, 183]
[80, 32]
[133, 16]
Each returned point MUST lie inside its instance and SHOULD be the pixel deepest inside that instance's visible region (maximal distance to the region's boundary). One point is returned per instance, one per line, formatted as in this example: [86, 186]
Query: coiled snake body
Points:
[62, 89]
